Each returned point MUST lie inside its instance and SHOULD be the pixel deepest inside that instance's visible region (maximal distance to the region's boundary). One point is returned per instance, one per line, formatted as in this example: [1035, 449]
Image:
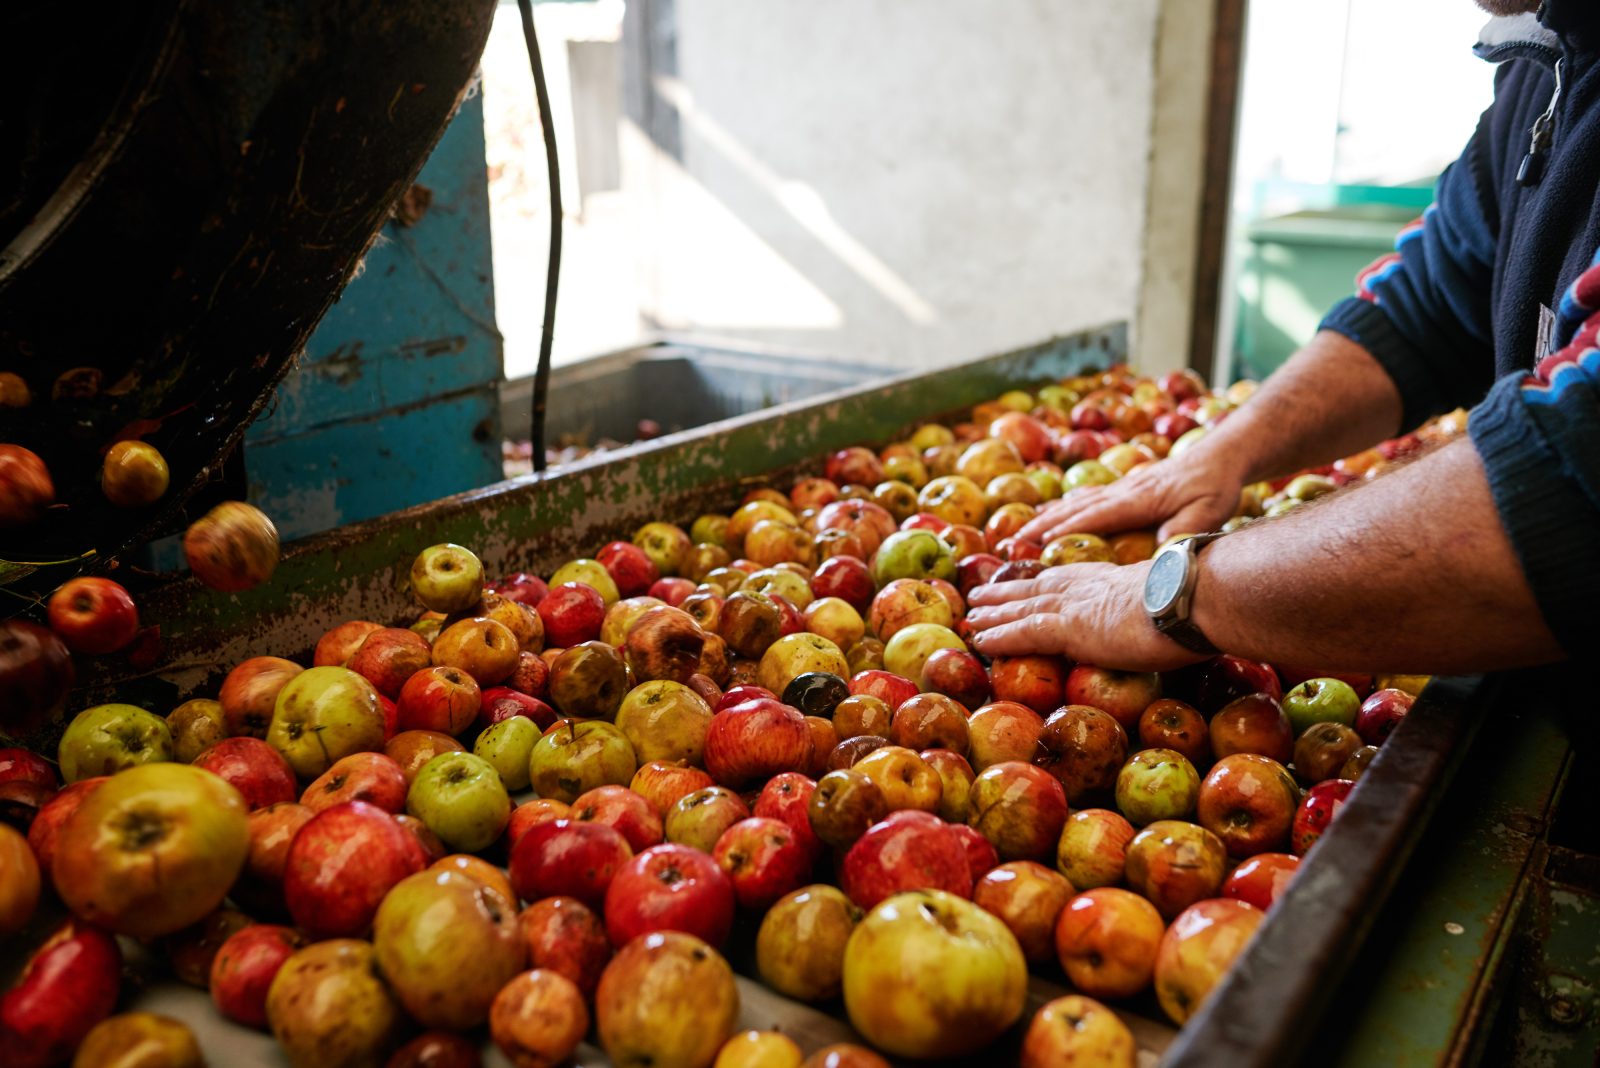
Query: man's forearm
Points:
[1411, 572]
[1331, 399]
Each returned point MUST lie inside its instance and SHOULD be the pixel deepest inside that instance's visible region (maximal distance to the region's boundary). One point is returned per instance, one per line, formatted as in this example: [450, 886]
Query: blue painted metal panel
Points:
[411, 342]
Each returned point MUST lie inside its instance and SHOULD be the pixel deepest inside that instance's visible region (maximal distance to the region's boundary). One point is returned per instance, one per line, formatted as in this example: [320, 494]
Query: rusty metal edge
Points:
[1267, 1008]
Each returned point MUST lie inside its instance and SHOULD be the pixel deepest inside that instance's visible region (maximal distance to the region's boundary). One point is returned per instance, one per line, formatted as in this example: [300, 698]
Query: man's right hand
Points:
[1188, 494]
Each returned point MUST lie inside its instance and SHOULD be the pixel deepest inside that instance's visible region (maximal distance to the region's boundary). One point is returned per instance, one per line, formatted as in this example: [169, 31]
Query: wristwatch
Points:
[1169, 592]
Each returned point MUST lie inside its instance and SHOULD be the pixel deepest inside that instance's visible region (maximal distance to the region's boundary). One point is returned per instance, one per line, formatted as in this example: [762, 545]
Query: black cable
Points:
[552, 276]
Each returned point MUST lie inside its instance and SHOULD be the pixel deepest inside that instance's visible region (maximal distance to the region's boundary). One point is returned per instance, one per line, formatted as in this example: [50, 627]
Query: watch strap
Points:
[1186, 634]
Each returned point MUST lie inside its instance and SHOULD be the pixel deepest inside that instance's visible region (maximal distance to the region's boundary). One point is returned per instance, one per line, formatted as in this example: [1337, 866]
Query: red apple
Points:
[754, 740]
[1027, 897]
[442, 699]
[35, 675]
[630, 568]
[531, 676]
[981, 855]
[1084, 748]
[45, 829]
[1261, 880]
[93, 615]
[388, 657]
[661, 783]
[1174, 864]
[910, 850]
[623, 810]
[256, 770]
[1003, 730]
[958, 674]
[1254, 723]
[250, 693]
[787, 799]
[1227, 678]
[1020, 808]
[272, 829]
[669, 888]
[244, 968]
[530, 814]
[338, 645]
[855, 465]
[502, 702]
[976, 569]
[1172, 724]
[340, 866]
[846, 578]
[1106, 940]
[67, 985]
[1092, 850]
[672, 590]
[1035, 681]
[370, 777]
[572, 613]
[523, 588]
[1124, 694]
[1381, 713]
[1197, 952]
[763, 859]
[569, 858]
[25, 486]
[893, 690]
[1249, 802]
[1321, 804]
[565, 936]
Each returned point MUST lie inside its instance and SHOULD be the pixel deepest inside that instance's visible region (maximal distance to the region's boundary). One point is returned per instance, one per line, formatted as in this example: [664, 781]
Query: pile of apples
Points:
[773, 714]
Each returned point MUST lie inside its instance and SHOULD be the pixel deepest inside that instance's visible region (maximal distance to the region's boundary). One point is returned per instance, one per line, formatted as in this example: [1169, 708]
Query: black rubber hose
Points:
[552, 275]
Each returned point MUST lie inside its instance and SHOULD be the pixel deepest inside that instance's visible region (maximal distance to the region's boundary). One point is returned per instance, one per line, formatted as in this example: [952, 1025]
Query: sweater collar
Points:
[1558, 27]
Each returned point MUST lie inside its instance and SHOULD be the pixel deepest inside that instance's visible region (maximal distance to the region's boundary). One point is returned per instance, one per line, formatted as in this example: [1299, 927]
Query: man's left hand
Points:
[1092, 613]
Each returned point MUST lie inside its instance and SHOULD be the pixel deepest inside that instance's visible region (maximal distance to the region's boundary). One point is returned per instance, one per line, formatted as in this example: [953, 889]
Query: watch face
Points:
[1165, 581]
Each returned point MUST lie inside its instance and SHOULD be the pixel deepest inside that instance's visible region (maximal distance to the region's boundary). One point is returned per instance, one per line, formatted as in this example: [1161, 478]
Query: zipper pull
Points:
[1531, 170]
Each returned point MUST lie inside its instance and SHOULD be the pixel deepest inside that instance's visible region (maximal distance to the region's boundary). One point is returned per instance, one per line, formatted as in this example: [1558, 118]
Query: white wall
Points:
[922, 182]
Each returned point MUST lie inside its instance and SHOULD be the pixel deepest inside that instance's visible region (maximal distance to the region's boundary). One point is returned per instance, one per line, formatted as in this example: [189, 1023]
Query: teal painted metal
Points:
[392, 403]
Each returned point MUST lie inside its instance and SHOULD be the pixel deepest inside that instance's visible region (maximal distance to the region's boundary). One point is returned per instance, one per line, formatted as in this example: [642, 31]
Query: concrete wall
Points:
[922, 182]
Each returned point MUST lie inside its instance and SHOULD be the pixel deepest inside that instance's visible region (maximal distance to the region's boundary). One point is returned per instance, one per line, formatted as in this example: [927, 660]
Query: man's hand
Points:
[1089, 612]
[1189, 494]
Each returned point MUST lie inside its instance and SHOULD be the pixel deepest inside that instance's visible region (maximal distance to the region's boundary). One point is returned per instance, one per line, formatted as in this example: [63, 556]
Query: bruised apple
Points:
[800, 946]
[1197, 951]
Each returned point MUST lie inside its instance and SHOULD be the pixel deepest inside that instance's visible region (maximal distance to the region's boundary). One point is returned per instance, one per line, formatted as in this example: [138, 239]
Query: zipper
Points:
[1540, 137]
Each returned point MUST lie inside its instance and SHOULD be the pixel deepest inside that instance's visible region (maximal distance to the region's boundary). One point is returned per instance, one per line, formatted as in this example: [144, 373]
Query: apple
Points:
[339, 644]
[854, 465]
[747, 516]
[987, 459]
[25, 486]
[507, 747]
[1077, 1030]
[531, 813]
[664, 643]
[756, 739]
[19, 881]
[958, 674]
[567, 858]
[472, 867]
[800, 945]
[630, 568]
[35, 674]
[1318, 808]
[1356, 765]
[665, 721]
[571, 613]
[538, 1019]
[844, 1055]
[412, 749]
[981, 856]
[816, 693]
[105, 739]
[890, 688]
[908, 850]
[930, 721]
[574, 757]
[1262, 879]
[955, 783]
[844, 578]
[1084, 748]
[232, 547]
[152, 850]
[759, 1049]
[441, 699]
[482, 647]
[1076, 446]
[763, 860]
[617, 806]
[66, 986]
[1002, 731]
[447, 578]
[370, 777]
[770, 542]
[328, 1006]
[1020, 808]
[425, 840]
[1381, 713]
[670, 887]
[1157, 784]
[843, 805]
[699, 819]
[446, 943]
[903, 602]
[1106, 940]
[1254, 723]
[1228, 678]
[1322, 749]
[272, 829]
[622, 615]
[259, 772]
[23, 765]
[565, 936]
[436, 1049]
[1076, 549]
[661, 783]
[928, 974]
[244, 967]
[1035, 681]
[908, 651]
[195, 725]
[322, 714]
[906, 780]
[666, 998]
[664, 544]
[787, 799]
[1027, 897]
[531, 676]
[1173, 724]
[93, 615]
[794, 655]
[913, 554]
[1174, 864]
[1322, 700]
[1248, 801]
[461, 799]
[813, 492]
[1198, 950]
[341, 864]
[1021, 558]
[672, 591]
[1124, 694]
[388, 657]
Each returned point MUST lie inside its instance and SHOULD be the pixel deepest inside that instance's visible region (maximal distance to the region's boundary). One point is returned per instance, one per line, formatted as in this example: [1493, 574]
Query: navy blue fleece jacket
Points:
[1492, 301]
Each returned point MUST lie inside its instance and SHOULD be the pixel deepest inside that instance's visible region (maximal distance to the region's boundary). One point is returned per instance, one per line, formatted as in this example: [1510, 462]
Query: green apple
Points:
[507, 745]
[1321, 701]
[573, 758]
[1157, 784]
[447, 578]
[1088, 473]
[911, 646]
[447, 943]
[929, 974]
[591, 573]
[107, 738]
[914, 554]
[1187, 440]
[461, 799]
[322, 715]
[665, 720]
[709, 529]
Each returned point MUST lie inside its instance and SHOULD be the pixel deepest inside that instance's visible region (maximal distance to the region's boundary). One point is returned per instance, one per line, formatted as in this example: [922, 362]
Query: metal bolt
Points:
[1568, 1000]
